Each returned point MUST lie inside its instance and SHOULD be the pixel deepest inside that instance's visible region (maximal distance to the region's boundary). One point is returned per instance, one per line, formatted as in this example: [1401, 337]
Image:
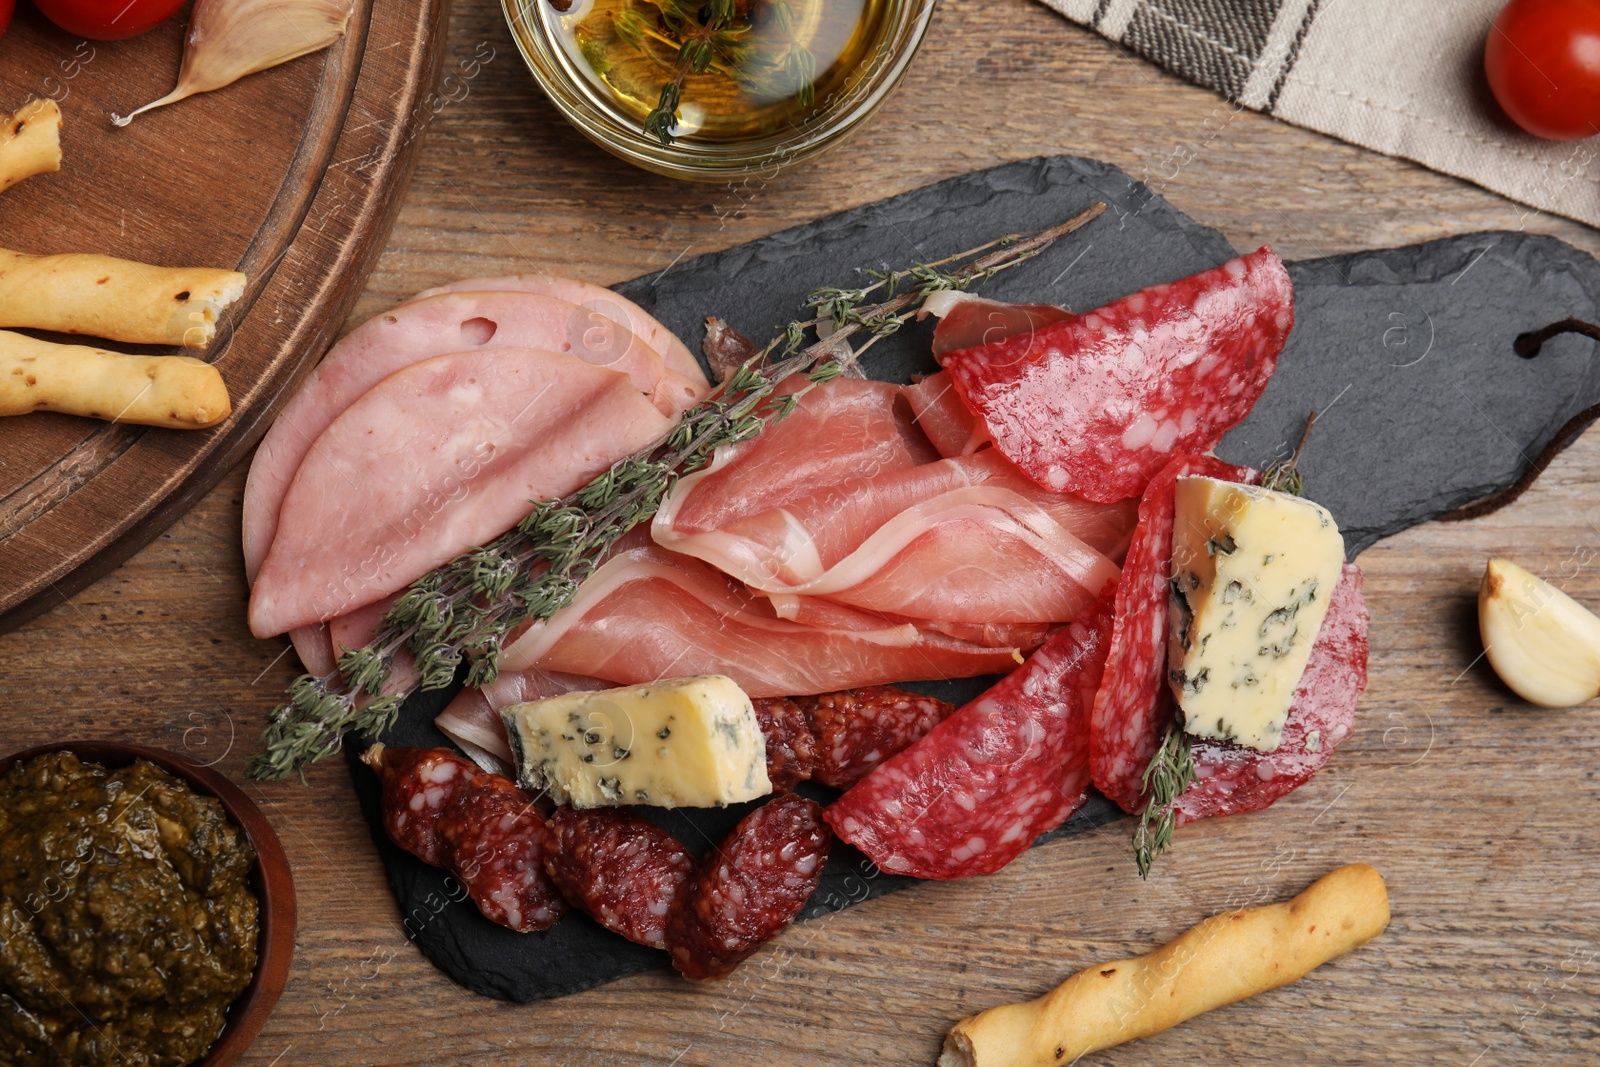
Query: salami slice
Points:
[974, 793]
[791, 748]
[858, 729]
[1232, 779]
[445, 811]
[1134, 704]
[749, 887]
[1096, 405]
[618, 868]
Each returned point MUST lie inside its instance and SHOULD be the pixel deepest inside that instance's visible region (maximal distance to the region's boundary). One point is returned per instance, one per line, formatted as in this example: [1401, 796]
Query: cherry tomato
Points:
[108, 20]
[1543, 62]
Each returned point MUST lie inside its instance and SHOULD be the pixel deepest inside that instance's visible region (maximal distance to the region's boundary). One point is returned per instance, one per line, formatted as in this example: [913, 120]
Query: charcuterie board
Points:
[291, 176]
[1376, 335]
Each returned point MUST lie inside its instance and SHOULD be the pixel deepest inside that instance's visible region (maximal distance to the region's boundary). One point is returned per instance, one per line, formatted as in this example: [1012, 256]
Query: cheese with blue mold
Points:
[1253, 570]
[683, 743]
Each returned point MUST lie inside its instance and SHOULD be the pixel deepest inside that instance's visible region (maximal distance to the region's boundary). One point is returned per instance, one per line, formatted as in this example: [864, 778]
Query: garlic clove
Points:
[1541, 642]
[229, 39]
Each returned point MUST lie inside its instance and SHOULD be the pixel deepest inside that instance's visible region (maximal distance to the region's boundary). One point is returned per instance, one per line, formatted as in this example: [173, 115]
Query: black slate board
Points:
[1406, 352]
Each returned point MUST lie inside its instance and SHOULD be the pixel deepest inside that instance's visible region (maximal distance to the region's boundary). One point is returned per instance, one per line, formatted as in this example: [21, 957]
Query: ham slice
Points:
[421, 329]
[648, 613]
[440, 456]
[966, 321]
[842, 501]
[603, 306]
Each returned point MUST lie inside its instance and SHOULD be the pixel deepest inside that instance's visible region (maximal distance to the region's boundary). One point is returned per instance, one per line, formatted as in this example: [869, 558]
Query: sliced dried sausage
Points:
[618, 868]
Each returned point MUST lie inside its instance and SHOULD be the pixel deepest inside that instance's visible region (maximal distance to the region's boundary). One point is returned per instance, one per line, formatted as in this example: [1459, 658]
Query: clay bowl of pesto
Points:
[199, 872]
[729, 90]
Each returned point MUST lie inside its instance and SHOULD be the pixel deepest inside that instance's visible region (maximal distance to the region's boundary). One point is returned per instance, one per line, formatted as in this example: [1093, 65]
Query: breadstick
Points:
[179, 392]
[117, 298]
[1227, 957]
[30, 142]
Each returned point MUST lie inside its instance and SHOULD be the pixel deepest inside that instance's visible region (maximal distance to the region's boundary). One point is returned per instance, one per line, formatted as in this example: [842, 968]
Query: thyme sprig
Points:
[464, 611]
[1171, 771]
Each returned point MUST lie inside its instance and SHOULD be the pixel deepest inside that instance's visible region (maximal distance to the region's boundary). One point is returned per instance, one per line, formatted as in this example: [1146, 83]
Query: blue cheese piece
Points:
[1252, 571]
[685, 743]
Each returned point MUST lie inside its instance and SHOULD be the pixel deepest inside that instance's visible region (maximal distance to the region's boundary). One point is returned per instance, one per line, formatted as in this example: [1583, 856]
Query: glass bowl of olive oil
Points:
[717, 90]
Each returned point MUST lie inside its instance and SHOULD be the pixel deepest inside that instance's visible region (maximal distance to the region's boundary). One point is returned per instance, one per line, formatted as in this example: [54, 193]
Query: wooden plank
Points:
[1483, 813]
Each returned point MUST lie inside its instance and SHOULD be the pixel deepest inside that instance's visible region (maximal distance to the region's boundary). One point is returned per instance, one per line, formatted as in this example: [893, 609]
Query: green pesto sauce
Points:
[127, 925]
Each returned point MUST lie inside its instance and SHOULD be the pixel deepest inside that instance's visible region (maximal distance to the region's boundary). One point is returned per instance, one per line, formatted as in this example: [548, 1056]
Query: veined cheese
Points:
[1252, 572]
[686, 743]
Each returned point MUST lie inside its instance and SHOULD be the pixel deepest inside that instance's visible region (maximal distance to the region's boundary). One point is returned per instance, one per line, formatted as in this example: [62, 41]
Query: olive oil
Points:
[720, 71]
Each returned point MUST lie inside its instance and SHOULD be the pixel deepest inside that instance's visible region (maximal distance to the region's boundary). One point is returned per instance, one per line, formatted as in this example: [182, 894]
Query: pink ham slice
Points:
[648, 613]
[440, 456]
[418, 330]
[838, 501]
[603, 306]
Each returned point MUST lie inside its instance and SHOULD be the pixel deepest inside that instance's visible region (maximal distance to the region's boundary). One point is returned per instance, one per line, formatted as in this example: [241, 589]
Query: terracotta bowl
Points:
[270, 878]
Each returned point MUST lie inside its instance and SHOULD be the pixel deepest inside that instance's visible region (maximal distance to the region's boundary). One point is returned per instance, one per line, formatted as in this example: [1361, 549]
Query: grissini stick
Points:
[102, 296]
[30, 142]
[1225, 958]
[179, 392]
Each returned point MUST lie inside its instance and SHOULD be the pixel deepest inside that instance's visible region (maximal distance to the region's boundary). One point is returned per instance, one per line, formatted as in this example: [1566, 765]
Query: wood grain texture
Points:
[291, 176]
[1483, 813]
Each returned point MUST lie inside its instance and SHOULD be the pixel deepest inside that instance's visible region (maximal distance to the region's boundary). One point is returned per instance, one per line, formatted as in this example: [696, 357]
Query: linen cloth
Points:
[1402, 77]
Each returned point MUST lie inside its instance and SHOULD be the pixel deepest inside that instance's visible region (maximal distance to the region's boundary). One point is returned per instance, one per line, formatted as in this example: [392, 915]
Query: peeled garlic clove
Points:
[1541, 642]
[229, 39]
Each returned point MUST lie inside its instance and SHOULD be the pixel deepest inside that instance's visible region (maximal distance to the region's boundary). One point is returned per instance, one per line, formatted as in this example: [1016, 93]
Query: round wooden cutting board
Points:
[292, 176]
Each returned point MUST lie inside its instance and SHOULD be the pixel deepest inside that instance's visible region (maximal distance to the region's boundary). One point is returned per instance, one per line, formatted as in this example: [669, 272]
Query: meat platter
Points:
[1347, 358]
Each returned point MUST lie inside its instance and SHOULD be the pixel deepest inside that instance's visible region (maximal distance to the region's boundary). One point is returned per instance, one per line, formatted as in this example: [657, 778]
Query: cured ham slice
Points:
[967, 321]
[1097, 404]
[944, 417]
[604, 306]
[648, 614]
[422, 329]
[440, 456]
[843, 501]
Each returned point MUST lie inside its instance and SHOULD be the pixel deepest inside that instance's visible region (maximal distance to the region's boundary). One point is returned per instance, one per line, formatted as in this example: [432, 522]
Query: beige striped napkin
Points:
[1402, 77]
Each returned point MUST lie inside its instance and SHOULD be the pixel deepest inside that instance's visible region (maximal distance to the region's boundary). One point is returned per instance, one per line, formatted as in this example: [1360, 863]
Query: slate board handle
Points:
[1529, 345]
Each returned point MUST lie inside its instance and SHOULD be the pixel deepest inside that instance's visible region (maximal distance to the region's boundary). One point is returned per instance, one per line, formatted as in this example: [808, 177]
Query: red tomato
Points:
[108, 20]
[1543, 62]
[6, 8]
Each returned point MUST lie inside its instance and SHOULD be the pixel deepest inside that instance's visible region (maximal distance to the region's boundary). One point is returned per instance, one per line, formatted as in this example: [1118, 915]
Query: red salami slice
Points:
[974, 793]
[618, 868]
[749, 887]
[441, 808]
[1233, 779]
[1134, 704]
[1096, 405]
[858, 729]
[791, 749]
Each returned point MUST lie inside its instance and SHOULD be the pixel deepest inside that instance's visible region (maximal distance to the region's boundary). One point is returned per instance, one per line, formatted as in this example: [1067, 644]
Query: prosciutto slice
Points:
[442, 455]
[941, 414]
[472, 720]
[843, 500]
[648, 614]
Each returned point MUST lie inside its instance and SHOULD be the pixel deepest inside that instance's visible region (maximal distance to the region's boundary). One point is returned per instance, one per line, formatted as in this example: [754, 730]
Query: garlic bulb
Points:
[1541, 642]
[229, 39]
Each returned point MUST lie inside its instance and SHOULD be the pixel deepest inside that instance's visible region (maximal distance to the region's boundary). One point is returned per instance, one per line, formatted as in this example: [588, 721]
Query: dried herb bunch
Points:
[464, 611]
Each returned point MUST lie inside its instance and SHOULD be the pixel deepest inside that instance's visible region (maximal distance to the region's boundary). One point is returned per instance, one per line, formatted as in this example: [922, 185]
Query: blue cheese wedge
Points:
[685, 743]
[1252, 571]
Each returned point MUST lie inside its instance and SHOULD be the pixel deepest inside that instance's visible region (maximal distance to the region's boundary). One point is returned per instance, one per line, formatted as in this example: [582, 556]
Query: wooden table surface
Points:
[1483, 814]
